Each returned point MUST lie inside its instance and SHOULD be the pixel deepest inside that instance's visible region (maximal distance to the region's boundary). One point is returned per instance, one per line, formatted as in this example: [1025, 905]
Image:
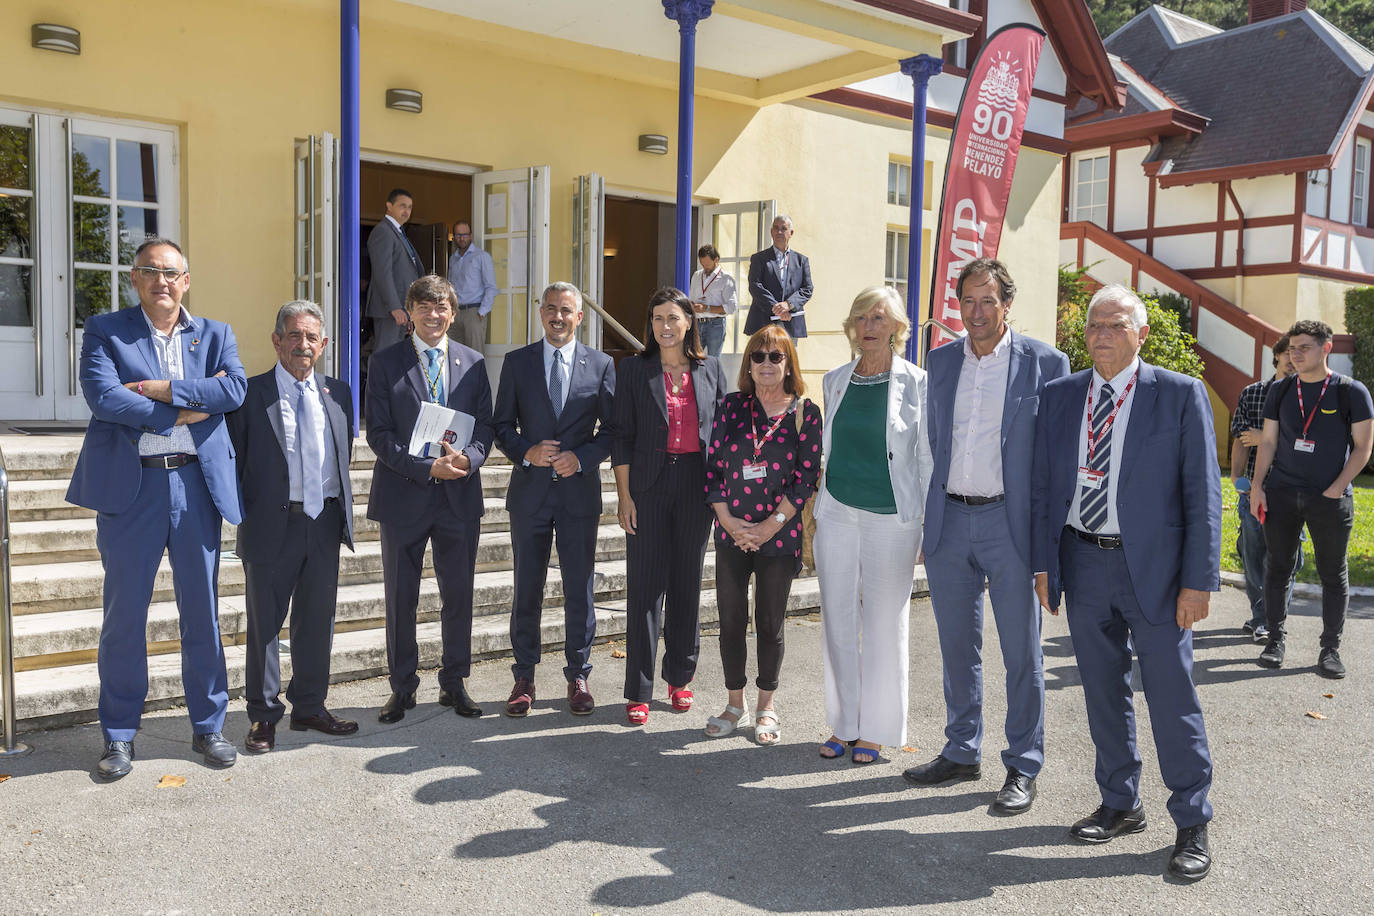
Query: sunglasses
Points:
[773, 356]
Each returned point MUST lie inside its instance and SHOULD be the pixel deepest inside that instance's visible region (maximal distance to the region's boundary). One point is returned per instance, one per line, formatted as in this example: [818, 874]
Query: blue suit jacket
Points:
[524, 415]
[1032, 365]
[118, 347]
[401, 485]
[1169, 495]
[767, 289]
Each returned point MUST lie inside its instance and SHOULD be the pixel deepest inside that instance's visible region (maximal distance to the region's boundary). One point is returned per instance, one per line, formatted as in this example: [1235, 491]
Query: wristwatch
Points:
[780, 518]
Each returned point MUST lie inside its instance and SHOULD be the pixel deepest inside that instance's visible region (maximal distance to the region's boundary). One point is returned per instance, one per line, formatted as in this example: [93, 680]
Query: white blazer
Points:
[910, 462]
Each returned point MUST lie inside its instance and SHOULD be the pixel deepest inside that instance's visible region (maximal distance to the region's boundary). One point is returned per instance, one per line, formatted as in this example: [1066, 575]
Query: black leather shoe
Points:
[214, 750]
[117, 760]
[325, 722]
[1272, 656]
[262, 737]
[943, 770]
[1329, 664]
[394, 710]
[460, 701]
[1017, 793]
[1192, 859]
[1105, 823]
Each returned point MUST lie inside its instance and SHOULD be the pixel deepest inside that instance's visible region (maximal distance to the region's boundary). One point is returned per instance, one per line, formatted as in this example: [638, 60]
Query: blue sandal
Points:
[870, 754]
[836, 746]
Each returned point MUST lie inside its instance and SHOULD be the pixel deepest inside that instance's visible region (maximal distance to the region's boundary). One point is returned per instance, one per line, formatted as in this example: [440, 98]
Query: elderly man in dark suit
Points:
[294, 440]
[780, 282]
[395, 266]
[1126, 515]
[553, 416]
[429, 499]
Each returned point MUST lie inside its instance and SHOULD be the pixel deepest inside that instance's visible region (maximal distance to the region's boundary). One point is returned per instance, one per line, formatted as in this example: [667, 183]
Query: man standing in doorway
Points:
[1318, 429]
[474, 281]
[395, 266]
[780, 283]
[712, 292]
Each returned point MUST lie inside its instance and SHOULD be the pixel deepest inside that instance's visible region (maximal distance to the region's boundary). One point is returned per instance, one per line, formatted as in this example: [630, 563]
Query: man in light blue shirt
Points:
[474, 280]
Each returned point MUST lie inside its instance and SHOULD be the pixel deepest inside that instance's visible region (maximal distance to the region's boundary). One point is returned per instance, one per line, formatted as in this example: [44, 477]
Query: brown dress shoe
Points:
[580, 702]
[521, 697]
[325, 722]
[262, 737]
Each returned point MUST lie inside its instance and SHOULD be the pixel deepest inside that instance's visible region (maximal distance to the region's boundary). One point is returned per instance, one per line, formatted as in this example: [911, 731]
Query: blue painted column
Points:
[350, 142]
[687, 13]
[920, 68]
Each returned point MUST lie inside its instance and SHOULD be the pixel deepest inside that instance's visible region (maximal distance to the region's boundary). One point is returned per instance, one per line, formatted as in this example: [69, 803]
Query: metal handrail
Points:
[613, 324]
[924, 332]
[8, 719]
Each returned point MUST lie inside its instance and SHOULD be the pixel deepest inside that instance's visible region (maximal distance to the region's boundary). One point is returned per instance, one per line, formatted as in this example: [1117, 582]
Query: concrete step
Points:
[69, 695]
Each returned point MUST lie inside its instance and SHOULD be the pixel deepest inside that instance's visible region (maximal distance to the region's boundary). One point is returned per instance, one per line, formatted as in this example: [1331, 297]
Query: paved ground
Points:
[559, 815]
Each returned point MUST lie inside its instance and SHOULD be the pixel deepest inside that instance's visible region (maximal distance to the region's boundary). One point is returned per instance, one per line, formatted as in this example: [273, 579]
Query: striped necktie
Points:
[1092, 506]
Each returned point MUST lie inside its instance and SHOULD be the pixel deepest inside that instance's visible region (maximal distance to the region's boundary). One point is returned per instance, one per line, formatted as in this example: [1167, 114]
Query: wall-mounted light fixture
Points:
[653, 143]
[50, 37]
[404, 100]
[610, 252]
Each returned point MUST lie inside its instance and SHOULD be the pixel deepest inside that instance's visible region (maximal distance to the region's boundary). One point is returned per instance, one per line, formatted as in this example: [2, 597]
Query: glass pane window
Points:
[1090, 189]
[135, 225]
[90, 165]
[898, 253]
[16, 296]
[899, 184]
[16, 221]
[1359, 203]
[92, 294]
[16, 152]
[137, 176]
[91, 233]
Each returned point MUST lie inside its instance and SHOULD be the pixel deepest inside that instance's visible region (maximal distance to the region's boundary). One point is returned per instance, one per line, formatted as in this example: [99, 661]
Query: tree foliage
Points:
[1354, 17]
[1359, 321]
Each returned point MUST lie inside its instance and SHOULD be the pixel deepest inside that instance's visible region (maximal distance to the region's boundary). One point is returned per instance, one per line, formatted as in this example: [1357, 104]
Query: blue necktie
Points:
[414, 258]
[556, 384]
[309, 452]
[1092, 507]
[436, 376]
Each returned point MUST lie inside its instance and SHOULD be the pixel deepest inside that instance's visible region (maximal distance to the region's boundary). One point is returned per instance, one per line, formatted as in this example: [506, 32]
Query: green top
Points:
[856, 471]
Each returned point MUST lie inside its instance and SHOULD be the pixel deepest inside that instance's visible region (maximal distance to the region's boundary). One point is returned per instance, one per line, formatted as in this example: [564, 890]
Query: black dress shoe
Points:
[214, 750]
[1017, 793]
[1105, 823]
[942, 770]
[262, 737]
[117, 760]
[325, 722]
[1272, 656]
[1329, 664]
[394, 709]
[460, 701]
[1191, 860]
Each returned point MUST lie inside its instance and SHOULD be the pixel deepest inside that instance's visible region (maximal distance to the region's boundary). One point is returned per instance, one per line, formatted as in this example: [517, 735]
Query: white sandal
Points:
[773, 730]
[725, 725]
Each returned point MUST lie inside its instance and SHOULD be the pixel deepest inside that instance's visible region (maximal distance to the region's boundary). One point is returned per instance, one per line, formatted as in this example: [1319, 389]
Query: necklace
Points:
[866, 380]
[675, 387]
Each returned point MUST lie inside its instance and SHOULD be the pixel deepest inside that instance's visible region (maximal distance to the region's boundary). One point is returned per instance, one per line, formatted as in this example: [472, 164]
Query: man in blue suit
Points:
[553, 420]
[157, 467]
[984, 393]
[1126, 516]
[780, 283]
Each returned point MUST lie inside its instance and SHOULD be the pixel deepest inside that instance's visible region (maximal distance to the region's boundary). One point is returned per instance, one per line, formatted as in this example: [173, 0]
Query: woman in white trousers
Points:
[868, 526]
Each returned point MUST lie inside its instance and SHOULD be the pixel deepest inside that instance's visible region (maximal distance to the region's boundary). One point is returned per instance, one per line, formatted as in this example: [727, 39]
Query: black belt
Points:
[470, 305]
[1104, 541]
[300, 506]
[675, 457]
[167, 462]
[976, 500]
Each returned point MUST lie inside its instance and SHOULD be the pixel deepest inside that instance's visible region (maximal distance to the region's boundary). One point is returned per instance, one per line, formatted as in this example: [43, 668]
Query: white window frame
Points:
[896, 261]
[1359, 184]
[898, 183]
[1079, 211]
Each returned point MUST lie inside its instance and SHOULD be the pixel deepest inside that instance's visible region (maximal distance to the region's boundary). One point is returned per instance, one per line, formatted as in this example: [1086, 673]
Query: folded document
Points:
[437, 424]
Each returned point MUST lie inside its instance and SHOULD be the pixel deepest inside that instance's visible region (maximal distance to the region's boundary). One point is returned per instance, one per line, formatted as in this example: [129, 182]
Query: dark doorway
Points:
[639, 259]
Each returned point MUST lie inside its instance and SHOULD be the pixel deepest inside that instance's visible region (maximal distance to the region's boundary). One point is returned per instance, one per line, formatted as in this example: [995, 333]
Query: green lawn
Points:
[1360, 555]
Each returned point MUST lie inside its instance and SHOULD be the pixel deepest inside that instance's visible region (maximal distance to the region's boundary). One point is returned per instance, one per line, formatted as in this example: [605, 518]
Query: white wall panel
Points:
[1149, 284]
[1226, 340]
[1335, 250]
[1108, 267]
[1186, 252]
[1190, 204]
[1269, 245]
[1271, 195]
[1132, 190]
[1362, 259]
[1340, 186]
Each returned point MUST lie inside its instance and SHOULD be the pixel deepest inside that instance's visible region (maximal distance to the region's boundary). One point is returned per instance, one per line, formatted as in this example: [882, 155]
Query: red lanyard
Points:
[1111, 418]
[1302, 412]
[707, 285]
[753, 427]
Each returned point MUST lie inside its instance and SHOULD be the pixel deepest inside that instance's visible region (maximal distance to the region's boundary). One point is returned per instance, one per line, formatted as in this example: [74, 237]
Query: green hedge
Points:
[1359, 321]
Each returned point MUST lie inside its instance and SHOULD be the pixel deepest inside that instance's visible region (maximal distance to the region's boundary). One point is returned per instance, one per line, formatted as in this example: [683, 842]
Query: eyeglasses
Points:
[773, 356]
[170, 274]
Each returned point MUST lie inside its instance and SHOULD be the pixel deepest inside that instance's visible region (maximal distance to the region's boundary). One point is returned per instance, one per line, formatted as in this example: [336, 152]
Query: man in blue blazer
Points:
[780, 283]
[553, 421]
[157, 467]
[1126, 515]
[984, 394]
[433, 499]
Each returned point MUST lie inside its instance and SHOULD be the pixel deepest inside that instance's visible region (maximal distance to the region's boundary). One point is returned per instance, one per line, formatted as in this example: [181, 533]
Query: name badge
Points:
[755, 471]
[1305, 445]
[1089, 478]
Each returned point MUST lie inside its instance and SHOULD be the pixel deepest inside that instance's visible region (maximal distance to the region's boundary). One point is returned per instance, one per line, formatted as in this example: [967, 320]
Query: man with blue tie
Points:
[395, 265]
[1126, 516]
[432, 499]
[294, 440]
[984, 394]
[157, 467]
[552, 418]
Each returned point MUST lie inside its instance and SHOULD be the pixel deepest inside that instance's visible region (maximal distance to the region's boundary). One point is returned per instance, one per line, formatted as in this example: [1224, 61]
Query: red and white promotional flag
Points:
[982, 157]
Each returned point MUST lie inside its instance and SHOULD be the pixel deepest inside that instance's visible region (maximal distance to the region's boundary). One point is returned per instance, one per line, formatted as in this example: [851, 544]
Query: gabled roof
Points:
[1076, 41]
[1272, 97]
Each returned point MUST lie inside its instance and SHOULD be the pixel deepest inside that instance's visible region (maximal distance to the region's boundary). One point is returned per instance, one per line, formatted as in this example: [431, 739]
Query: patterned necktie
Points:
[436, 376]
[309, 450]
[556, 384]
[1092, 506]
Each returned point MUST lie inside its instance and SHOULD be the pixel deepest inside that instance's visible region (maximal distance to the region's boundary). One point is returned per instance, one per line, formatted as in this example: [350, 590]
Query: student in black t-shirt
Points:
[1318, 427]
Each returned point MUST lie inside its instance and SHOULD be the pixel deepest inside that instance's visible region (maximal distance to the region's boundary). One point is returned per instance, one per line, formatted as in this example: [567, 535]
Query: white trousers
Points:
[865, 563]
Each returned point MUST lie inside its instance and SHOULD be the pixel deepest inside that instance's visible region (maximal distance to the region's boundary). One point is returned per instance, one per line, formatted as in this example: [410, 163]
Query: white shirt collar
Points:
[779, 253]
[567, 351]
[1120, 380]
[393, 222]
[287, 382]
[421, 347]
[1003, 344]
[183, 321]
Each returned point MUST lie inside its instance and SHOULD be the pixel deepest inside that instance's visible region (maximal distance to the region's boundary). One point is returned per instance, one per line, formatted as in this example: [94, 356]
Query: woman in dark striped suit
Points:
[665, 402]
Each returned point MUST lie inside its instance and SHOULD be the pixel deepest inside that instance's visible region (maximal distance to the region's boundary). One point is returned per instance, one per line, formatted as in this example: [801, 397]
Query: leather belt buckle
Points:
[1100, 541]
[167, 462]
[976, 500]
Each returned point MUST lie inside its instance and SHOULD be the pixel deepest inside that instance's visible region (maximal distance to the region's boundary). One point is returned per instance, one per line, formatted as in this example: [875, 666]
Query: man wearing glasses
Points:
[157, 466]
[474, 280]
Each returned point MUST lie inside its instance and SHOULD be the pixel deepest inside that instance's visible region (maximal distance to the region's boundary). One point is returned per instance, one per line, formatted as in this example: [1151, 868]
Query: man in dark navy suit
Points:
[780, 284]
[430, 499]
[1126, 515]
[552, 419]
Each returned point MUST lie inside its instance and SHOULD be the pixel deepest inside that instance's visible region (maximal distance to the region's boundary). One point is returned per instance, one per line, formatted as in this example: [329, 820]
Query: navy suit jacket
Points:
[117, 347]
[641, 415]
[401, 485]
[1169, 495]
[524, 415]
[260, 443]
[767, 289]
[1032, 365]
